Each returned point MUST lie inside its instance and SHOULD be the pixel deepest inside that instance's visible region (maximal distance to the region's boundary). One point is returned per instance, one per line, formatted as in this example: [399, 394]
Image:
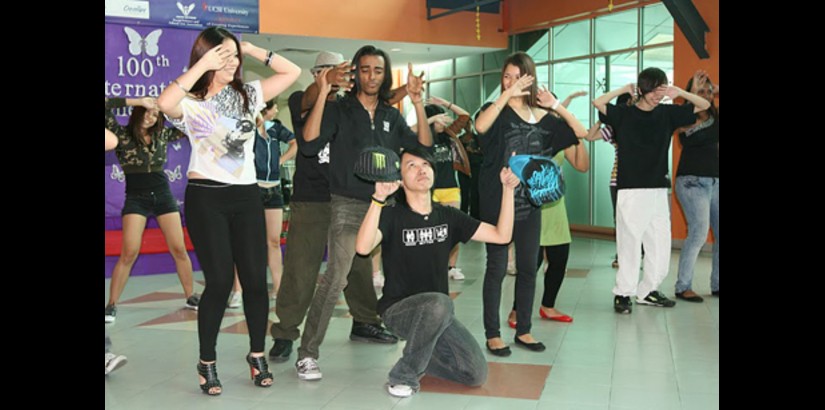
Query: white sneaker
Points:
[377, 279]
[114, 361]
[455, 274]
[400, 390]
[308, 369]
[234, 300]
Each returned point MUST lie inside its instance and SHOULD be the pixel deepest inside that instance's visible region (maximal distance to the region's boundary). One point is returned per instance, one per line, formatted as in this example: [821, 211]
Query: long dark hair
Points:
[208, 39]
[135, 124]
[712, 110]
[420, 152]
[526, 66]
[369, 50]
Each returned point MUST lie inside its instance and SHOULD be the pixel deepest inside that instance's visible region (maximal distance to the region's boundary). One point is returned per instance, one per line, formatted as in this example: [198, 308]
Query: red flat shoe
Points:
[562, 318]
[512, 323]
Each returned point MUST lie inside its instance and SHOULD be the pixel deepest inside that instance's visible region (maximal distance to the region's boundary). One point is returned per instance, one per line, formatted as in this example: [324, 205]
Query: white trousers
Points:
[642, 219]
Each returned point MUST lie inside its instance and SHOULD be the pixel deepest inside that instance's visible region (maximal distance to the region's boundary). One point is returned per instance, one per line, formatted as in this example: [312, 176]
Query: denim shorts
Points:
[155, 203]
[272, 197]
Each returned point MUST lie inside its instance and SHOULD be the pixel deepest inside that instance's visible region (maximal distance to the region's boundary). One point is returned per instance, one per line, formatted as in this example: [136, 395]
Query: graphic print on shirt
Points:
[220, 137]
[424, 236]
[323, 156]
[442, 153]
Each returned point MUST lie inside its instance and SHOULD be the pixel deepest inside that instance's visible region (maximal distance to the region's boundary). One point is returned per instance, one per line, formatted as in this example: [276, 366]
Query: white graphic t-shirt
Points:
[222, 135]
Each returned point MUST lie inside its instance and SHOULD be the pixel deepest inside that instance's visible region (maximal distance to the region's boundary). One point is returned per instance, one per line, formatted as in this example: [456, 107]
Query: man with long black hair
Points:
[361, 119]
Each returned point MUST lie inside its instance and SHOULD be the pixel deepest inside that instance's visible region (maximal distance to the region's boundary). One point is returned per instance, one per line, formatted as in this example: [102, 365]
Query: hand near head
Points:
[521, 86]
[415, 84]
[508, 178]
[442, 119]
[216, 58]
[700, 78]
[149, 103]
[324, 87]
[385, 189]
[341, 76]
[671, 91]
[545, 98]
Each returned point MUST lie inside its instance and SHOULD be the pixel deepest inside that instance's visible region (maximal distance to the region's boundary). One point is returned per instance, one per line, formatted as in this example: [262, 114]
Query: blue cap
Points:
[541, 176]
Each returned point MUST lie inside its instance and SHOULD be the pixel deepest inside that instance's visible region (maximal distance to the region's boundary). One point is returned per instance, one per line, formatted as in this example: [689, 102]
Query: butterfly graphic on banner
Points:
[117, 174]
[186, 9]
[173, 175]
[139, 45]
[176, 146]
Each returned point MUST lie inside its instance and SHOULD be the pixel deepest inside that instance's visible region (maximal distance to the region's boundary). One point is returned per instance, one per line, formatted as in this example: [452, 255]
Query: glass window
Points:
[492, 86]
[440, 69]
[495, 60]
[535, 44]
[571, 40]
[468, 93]
[617, 31]
[543, 76]
[662, 58]
[468, 65]
[443, 89]
[658, 25]
[571, 77]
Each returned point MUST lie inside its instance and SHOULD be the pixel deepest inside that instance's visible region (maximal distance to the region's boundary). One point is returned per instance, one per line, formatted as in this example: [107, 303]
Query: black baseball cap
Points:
[378, 164]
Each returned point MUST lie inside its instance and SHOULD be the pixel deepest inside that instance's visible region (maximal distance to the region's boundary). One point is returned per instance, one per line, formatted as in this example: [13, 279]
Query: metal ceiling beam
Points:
[691, 23]
[482, 3]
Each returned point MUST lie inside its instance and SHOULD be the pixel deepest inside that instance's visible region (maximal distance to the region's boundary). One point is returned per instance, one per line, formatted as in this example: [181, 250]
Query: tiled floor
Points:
[655, 358]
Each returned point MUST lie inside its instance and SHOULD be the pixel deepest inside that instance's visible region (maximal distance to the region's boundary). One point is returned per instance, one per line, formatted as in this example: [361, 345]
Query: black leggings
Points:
[227, 227]
[526, 240]
[554, 274]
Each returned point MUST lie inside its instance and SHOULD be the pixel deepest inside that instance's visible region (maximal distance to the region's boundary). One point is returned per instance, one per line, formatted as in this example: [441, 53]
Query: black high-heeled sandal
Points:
[259, 364]
[210, 373]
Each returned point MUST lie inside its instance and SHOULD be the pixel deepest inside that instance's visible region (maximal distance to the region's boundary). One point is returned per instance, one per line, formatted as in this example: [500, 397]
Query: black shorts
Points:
[155, 203]
[272, 197]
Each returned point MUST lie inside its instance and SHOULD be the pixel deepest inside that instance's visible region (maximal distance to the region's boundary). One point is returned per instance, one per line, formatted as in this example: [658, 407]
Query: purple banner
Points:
[142, 61]
[240, 16]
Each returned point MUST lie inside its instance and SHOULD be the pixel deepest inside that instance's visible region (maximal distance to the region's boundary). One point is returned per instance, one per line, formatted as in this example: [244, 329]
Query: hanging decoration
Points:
[478, 24]
[609, 5]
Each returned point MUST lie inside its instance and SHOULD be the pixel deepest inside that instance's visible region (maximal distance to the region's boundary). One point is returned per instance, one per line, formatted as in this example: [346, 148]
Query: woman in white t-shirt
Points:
[224, 213]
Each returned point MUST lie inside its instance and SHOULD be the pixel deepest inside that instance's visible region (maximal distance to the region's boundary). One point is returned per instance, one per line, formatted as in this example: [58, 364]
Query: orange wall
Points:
[528, 15]
[387, 20]
[686, 62]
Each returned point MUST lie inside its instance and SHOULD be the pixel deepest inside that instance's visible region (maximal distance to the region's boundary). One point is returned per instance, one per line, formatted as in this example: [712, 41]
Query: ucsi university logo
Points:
[185, 9]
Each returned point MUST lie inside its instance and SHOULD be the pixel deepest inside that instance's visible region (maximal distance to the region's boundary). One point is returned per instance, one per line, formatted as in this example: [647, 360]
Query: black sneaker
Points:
[367, 332]
[109, 314]
[281, 350]
[656, 298]
[622, 304]
[192, 302]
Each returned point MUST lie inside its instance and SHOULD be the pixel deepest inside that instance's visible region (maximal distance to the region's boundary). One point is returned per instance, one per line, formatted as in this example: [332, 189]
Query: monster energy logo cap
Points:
[378, 164]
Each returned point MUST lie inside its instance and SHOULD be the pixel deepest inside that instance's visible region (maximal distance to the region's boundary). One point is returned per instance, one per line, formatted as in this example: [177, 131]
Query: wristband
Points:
[377, 202]
[269, 58]
[556, 105]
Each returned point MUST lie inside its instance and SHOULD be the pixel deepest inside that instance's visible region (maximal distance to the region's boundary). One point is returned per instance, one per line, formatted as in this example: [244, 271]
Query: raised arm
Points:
[290, 152]
[340, 75]
[487, 117]
[169, 100]
[312, 128]
[601, 102]
[415, 90]
[286, 72]
[545, 99]
[699, 103]
[111, 140]
[448, 105]
[502, 232]
[594, 133]
[571, 97]
[369, 236]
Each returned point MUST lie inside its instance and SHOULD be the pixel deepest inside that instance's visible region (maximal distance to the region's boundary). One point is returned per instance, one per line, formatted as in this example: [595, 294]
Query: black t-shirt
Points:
[443, 154]
[347, 127]
[415, 251]
[643, 138]
[508, 134]
[311, 179]
[700, 150]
